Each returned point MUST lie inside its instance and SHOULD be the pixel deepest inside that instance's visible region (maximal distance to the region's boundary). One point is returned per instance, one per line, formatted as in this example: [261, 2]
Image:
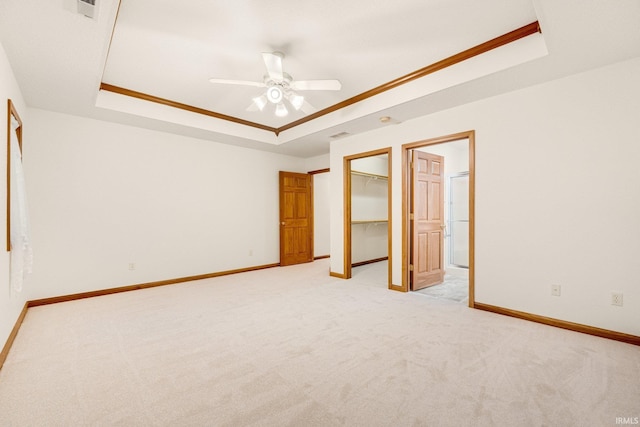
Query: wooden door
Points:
[296, 218]
[427, 220]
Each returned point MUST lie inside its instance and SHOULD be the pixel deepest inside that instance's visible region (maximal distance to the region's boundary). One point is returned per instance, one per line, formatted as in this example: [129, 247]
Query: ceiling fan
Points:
[281, 86]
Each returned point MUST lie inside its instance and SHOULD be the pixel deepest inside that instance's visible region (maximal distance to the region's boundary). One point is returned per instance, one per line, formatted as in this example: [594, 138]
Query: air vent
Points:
[87, 8]
[339, 135]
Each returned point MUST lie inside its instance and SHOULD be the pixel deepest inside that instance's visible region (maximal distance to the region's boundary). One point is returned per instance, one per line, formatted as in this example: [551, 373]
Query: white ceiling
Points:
[169, 49]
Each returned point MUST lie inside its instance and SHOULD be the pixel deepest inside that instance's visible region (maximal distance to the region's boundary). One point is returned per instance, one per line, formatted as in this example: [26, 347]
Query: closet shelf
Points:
[370, 221]
[369, 175]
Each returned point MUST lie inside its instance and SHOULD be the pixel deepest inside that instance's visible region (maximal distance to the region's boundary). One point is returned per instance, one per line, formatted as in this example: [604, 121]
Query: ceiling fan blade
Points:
[237, 82]
[307, 108]
[273, 62]
[316, 85]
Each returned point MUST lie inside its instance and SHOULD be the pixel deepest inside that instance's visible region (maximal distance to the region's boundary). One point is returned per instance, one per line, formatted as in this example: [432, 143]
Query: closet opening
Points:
[321, 203]
[367, 252]
[438, 217]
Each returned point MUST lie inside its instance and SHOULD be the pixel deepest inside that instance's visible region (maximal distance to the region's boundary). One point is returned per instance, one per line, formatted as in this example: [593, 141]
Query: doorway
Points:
[457, 222]
[367, 219]
[321, 213]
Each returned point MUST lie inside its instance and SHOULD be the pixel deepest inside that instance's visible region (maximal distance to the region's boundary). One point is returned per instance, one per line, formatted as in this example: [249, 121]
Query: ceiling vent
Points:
[339, 135]
[87, 8]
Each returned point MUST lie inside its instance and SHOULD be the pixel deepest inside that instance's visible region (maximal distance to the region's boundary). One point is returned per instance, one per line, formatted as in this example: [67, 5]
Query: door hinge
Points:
[411, 217]
[410, 267]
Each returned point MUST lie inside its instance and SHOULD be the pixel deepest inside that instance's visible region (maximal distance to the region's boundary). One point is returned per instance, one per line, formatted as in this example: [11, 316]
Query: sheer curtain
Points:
[21, 252]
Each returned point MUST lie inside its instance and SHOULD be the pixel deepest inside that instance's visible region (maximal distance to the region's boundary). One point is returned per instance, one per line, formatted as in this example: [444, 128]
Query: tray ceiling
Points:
[169, 50]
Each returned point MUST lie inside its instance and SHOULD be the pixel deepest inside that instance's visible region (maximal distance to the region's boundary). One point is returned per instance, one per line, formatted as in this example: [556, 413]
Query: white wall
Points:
[317, 163]
[556, 194]
[11, 303]
[105, 195]
[377, 165]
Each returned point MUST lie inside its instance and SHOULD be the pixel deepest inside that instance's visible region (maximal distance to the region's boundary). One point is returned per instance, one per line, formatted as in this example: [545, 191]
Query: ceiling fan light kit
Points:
[296, 100]
[281, 110]
[280, 86]
[260, 102]
[274, 94]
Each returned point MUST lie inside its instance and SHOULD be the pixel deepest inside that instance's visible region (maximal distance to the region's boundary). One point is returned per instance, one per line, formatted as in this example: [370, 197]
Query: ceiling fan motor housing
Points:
[274, 94]
[276, 90]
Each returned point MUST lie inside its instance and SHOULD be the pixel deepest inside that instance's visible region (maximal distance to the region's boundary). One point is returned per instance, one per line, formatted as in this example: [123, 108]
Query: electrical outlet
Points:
[132, 266]
[616, 298]
[555, 290]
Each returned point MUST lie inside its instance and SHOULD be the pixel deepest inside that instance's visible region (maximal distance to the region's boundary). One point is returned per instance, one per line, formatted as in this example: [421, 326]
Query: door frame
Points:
[406, 176]
[347, 209]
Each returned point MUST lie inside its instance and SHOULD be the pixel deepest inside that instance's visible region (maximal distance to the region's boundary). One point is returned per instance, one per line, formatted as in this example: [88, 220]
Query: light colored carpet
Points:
[294, 347]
